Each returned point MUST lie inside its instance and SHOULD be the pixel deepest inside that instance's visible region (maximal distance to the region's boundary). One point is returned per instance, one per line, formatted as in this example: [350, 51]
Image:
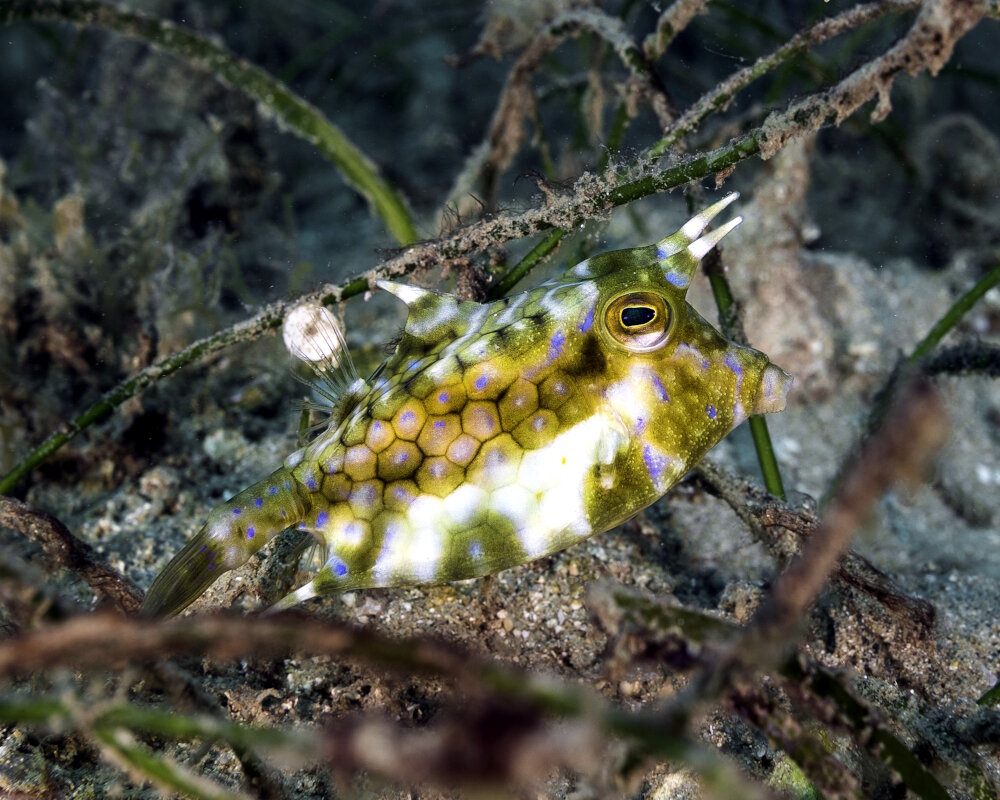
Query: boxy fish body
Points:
[498, 433]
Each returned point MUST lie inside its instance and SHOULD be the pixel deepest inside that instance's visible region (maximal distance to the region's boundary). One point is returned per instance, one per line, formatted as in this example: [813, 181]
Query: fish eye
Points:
[637, 316]
[638, 320]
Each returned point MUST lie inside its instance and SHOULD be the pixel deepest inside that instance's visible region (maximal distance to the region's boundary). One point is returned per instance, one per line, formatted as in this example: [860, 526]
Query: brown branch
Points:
[63, 549]
[785, 731]
[644, 79]
[483, 744]
[718, 98]
[672, 21]
[914, 430]
[516, 99]
[927, 45]
[783, 529]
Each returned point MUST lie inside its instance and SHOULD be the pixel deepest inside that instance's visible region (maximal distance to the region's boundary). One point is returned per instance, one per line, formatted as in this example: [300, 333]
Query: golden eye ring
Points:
[640, 321]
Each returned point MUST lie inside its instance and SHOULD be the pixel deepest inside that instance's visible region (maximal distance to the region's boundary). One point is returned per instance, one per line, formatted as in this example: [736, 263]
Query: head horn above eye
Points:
[681, 252]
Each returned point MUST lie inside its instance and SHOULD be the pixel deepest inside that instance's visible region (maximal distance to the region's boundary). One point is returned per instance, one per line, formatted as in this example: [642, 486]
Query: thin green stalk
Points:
[54, 713]
[33, 711]
[766, 458]
[108, 725]
[515, 274]
[615, 136]
[733, 329]
[954, 314]
[921, 351]
[272, 96]
[868, 729]
[690, 169]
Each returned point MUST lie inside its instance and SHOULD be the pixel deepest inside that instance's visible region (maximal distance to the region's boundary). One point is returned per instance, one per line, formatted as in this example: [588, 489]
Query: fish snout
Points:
[775, 384]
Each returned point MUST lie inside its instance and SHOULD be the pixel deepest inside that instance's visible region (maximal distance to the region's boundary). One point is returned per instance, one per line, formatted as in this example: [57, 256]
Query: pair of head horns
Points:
[681, 252]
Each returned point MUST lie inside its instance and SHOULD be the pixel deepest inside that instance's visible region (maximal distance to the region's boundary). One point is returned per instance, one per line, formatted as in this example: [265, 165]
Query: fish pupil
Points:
[636, 316]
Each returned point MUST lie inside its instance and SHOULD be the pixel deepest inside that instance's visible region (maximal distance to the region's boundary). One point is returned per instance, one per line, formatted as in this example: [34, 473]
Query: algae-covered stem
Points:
[475, 237]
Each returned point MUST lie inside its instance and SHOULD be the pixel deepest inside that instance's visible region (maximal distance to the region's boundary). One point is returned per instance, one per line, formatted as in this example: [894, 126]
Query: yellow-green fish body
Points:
[498, 433]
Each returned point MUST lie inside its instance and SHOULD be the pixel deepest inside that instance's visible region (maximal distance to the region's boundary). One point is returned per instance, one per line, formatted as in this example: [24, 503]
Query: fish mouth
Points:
[775, 384]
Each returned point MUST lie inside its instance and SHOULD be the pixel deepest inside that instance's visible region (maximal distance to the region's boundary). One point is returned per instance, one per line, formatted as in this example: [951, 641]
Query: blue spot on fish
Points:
[661, 254]
[311, 483]
[556, 344]
[481, 381]
[476, 550]
[407, 418]
[439, 423]
[661, 390]
[674, 279]
[734, 365]
[588, 321]
[443, 397]
[339, 567]
[288, 484]
[250, 532]
[710, 410]
[273, 490]
[236, 512]
[257, 501]
[656, 462]
[321, 519]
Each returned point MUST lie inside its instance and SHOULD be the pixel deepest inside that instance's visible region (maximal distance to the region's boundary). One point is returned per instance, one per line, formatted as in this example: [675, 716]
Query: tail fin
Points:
[183, 580]
[233, 532]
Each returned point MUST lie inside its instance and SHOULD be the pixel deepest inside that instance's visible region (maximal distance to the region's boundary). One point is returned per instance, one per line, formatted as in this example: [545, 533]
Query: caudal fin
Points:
[233, 532]
[183, 580]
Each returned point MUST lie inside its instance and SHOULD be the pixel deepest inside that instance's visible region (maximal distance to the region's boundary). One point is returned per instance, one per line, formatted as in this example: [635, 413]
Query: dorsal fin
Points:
[432, 318]
[313, 335]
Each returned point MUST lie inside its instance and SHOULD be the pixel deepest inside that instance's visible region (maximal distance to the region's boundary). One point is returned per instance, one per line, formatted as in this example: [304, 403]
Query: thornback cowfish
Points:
[496, 433]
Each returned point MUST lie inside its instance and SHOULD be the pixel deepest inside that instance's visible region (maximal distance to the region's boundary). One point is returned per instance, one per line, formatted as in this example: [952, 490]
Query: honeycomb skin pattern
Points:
[450, 495]
[502, 432]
